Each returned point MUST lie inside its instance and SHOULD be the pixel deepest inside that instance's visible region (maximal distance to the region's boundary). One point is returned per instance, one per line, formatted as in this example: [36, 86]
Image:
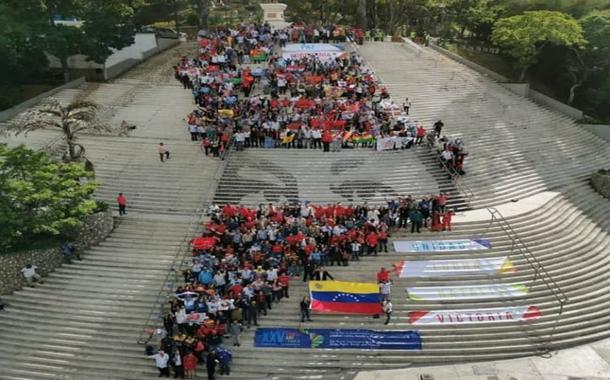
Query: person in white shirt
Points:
[29, 272]
[387, 309]
[161, 360]
[447, 156]
[181, 319]
[385, 288]
[316, 135]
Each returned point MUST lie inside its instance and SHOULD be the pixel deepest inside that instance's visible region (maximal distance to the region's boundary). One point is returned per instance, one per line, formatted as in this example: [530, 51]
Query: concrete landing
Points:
[509, 209]
[589, 362]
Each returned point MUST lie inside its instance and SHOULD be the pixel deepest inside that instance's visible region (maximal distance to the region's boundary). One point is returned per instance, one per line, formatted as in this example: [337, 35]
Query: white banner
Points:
[322, 51]
[490, 315]
[385, 143]
[415, 246]
[444, 268]
[466, 292]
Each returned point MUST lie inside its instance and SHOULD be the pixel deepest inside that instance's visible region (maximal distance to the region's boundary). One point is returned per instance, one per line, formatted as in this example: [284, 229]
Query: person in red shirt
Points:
[327, 138]
[284, 281]
[383, 275]
[122, 202]
[383, 241]
[421, 133]
[190, 365]
[447, 220]
[371, 243]
[441, 200]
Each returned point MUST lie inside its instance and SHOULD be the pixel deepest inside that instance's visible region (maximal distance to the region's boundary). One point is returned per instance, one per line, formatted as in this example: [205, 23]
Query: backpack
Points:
[224, 356]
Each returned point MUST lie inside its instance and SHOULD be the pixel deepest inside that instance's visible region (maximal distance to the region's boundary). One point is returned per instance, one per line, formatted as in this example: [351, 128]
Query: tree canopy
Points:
[523, 36]
[28, 28]
[40, 197]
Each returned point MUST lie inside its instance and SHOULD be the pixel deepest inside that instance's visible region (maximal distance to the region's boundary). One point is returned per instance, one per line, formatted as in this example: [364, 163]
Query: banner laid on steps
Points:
[416, 246]
[466, 292]
[345, 297]
[335, 338]
[458, 317]
[443, 268]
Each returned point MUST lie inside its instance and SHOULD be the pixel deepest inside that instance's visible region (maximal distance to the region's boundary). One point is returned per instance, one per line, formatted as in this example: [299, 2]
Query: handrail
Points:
[535, 264]
[455, 176]
[179, 260]
[168, 284]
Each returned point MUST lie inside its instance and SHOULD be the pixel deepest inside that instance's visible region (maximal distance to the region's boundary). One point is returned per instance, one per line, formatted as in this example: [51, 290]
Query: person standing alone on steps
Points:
[163, 152]
[122, 202]
[387, 309]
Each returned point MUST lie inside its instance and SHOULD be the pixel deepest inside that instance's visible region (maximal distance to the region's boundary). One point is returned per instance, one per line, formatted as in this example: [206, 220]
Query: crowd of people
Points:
[305, 102]
[245, 260]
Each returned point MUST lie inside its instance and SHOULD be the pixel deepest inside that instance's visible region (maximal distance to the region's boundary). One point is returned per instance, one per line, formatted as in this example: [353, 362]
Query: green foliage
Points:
[596, 28]
[521, 37]
[21, 56]
[27, 30]
[40, 197]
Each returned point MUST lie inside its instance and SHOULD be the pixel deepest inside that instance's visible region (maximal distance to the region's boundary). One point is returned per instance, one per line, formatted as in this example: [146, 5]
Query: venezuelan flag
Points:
[345, 297]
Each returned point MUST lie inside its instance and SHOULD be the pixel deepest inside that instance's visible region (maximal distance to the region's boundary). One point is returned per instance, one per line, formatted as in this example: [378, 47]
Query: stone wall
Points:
[95, 229]
[601, 182]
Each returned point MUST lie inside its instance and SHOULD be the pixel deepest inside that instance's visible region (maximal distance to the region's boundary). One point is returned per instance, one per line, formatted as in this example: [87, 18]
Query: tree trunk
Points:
[573, 93]
[64, 68]
[362, 16]
[523, 74]
[176, 16]
[203, 11]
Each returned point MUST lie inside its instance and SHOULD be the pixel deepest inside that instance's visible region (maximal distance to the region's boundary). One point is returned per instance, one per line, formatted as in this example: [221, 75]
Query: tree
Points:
[582, 63]
[21, 51]
[72, 120]
[522, 37]
[106, 25]
[39, 196]
[362, 16]
[202, 10]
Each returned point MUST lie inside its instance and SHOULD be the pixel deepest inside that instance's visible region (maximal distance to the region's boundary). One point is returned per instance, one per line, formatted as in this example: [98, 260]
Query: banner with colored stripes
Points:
[416, 246]
[488, 315]
[444, 268]
[466, 292]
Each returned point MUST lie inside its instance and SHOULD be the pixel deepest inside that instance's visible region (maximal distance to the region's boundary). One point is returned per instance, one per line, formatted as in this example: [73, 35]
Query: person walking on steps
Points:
[122, 202]
[163, 152]
[211, 363]
[177, 365]
[305, 303]
[387, 309]
[406, 105]
[161, 360]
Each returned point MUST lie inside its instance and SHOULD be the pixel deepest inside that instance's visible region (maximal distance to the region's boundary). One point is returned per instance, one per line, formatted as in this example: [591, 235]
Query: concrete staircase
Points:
[517, 148]
[85, 320]
[83, 323]
[576, 258]
[255, 176]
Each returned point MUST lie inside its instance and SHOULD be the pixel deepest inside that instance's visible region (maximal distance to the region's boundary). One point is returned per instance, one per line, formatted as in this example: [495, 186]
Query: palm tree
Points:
[76, 118]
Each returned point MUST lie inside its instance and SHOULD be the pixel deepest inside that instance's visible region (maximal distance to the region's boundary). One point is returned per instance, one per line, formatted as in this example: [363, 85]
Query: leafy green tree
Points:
[40, 197]
[523, 36]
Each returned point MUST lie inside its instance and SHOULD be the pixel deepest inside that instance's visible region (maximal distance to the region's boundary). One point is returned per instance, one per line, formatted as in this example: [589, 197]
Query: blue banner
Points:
[335, 338]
